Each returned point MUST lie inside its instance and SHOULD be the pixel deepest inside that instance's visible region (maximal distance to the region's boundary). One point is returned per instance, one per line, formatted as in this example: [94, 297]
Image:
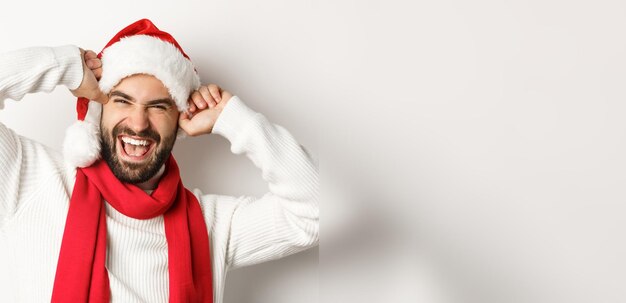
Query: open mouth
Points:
[134, 149]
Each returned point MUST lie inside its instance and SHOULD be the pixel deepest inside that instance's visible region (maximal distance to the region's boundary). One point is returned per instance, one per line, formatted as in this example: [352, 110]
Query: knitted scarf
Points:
[81, 275]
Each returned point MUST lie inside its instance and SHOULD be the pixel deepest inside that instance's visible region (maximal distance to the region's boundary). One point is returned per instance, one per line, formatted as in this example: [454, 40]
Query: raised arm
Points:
[283, 221]
[31, 70]
[41, 69]
[38, 69]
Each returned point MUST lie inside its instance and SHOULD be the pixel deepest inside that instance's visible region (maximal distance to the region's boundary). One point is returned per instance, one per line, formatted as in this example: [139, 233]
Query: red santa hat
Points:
[140, 48]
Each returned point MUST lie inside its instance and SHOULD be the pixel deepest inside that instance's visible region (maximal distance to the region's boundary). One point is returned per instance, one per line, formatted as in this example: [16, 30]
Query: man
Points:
[111, 220]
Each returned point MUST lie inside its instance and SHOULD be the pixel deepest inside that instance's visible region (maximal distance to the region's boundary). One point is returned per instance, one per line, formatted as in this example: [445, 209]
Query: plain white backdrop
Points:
[473, 150]
[250, 49]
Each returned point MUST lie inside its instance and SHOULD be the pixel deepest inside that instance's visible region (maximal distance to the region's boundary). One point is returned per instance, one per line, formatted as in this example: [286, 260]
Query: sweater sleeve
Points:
[283, 221]
[38, 69]
[30, 70]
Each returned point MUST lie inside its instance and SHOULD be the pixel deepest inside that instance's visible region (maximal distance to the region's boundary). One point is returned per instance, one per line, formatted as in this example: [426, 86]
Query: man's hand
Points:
[92, 71]
[205, 106]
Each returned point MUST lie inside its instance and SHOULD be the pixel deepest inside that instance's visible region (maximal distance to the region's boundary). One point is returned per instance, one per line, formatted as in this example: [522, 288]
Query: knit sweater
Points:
[36, 185]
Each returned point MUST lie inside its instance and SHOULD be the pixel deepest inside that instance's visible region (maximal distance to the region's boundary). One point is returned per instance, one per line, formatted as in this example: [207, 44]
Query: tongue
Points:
[135, 150]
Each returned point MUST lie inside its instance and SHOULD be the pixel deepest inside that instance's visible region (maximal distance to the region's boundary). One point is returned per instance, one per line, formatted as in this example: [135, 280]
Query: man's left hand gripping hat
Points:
[140, 48]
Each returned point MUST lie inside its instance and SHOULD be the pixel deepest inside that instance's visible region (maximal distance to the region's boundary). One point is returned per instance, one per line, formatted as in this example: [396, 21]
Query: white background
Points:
[472, 150]
[251, 49]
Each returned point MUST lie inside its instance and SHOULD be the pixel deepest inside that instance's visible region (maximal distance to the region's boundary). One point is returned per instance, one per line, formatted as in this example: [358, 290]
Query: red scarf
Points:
[81, 275]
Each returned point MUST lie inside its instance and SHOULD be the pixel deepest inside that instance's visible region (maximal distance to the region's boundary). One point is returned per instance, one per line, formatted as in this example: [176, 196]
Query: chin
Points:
[135, 158]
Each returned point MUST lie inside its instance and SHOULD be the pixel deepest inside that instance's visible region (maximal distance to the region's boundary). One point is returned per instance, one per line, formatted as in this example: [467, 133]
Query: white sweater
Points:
[35, 188]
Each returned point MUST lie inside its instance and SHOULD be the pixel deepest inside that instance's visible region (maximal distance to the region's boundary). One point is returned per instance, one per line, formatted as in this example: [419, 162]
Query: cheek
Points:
[165, 124]
[109, 117]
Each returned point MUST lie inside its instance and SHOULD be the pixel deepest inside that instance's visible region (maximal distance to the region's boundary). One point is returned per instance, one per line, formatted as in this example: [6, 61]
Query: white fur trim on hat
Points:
[142, 54]
[81, 146]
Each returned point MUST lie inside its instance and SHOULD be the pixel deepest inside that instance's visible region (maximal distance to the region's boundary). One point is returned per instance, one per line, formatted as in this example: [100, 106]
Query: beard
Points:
[129, 172]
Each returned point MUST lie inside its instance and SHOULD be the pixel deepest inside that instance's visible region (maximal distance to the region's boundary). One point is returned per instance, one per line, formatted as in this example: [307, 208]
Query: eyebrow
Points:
[167, 101]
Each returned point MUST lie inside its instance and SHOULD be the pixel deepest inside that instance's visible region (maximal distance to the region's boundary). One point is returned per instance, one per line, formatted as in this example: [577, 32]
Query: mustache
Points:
[146, 133]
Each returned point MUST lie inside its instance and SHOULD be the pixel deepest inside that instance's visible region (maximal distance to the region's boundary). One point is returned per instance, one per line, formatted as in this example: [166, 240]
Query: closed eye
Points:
[161, 107]
[122, 101]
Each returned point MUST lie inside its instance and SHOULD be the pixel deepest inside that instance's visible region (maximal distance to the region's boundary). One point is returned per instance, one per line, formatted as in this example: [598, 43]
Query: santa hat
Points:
[140, 48]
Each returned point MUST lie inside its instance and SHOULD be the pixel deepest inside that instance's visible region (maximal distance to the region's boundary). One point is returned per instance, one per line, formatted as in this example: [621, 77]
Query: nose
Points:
[138, 120]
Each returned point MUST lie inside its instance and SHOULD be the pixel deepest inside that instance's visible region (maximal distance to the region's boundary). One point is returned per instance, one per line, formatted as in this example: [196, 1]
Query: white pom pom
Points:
[81, 146]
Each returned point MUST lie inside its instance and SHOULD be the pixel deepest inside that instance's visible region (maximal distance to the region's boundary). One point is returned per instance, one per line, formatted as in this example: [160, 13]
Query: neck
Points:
[152, 183]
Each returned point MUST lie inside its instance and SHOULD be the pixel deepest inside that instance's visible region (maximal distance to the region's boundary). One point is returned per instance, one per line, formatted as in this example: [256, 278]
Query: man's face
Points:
[139, 125]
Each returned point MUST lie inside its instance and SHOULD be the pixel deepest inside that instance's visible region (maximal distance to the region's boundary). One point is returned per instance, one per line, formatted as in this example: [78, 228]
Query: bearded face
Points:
[138, 128]
[147, 149]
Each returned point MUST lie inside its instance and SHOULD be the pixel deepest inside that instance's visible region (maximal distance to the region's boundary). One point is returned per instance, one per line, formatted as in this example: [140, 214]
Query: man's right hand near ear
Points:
[92, 71]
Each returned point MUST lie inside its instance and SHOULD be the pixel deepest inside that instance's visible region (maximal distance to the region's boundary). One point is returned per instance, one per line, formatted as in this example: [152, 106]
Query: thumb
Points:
[101, 97]
[184, 123]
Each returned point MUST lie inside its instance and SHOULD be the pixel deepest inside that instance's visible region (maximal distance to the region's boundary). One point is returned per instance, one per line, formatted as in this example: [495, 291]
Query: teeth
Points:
[135, 141]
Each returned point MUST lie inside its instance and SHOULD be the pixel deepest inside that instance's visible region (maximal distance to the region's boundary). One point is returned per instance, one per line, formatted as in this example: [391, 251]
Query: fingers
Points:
[92, 70]
[98, 73]
[215, 92]
[207, 96]
[192, 105]
[183, 118]
[226, 95]
[185, 123]
[205, 106]
[198, 100]
[91, 59]
[204, 91]
[89, 54]
[93, 63]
